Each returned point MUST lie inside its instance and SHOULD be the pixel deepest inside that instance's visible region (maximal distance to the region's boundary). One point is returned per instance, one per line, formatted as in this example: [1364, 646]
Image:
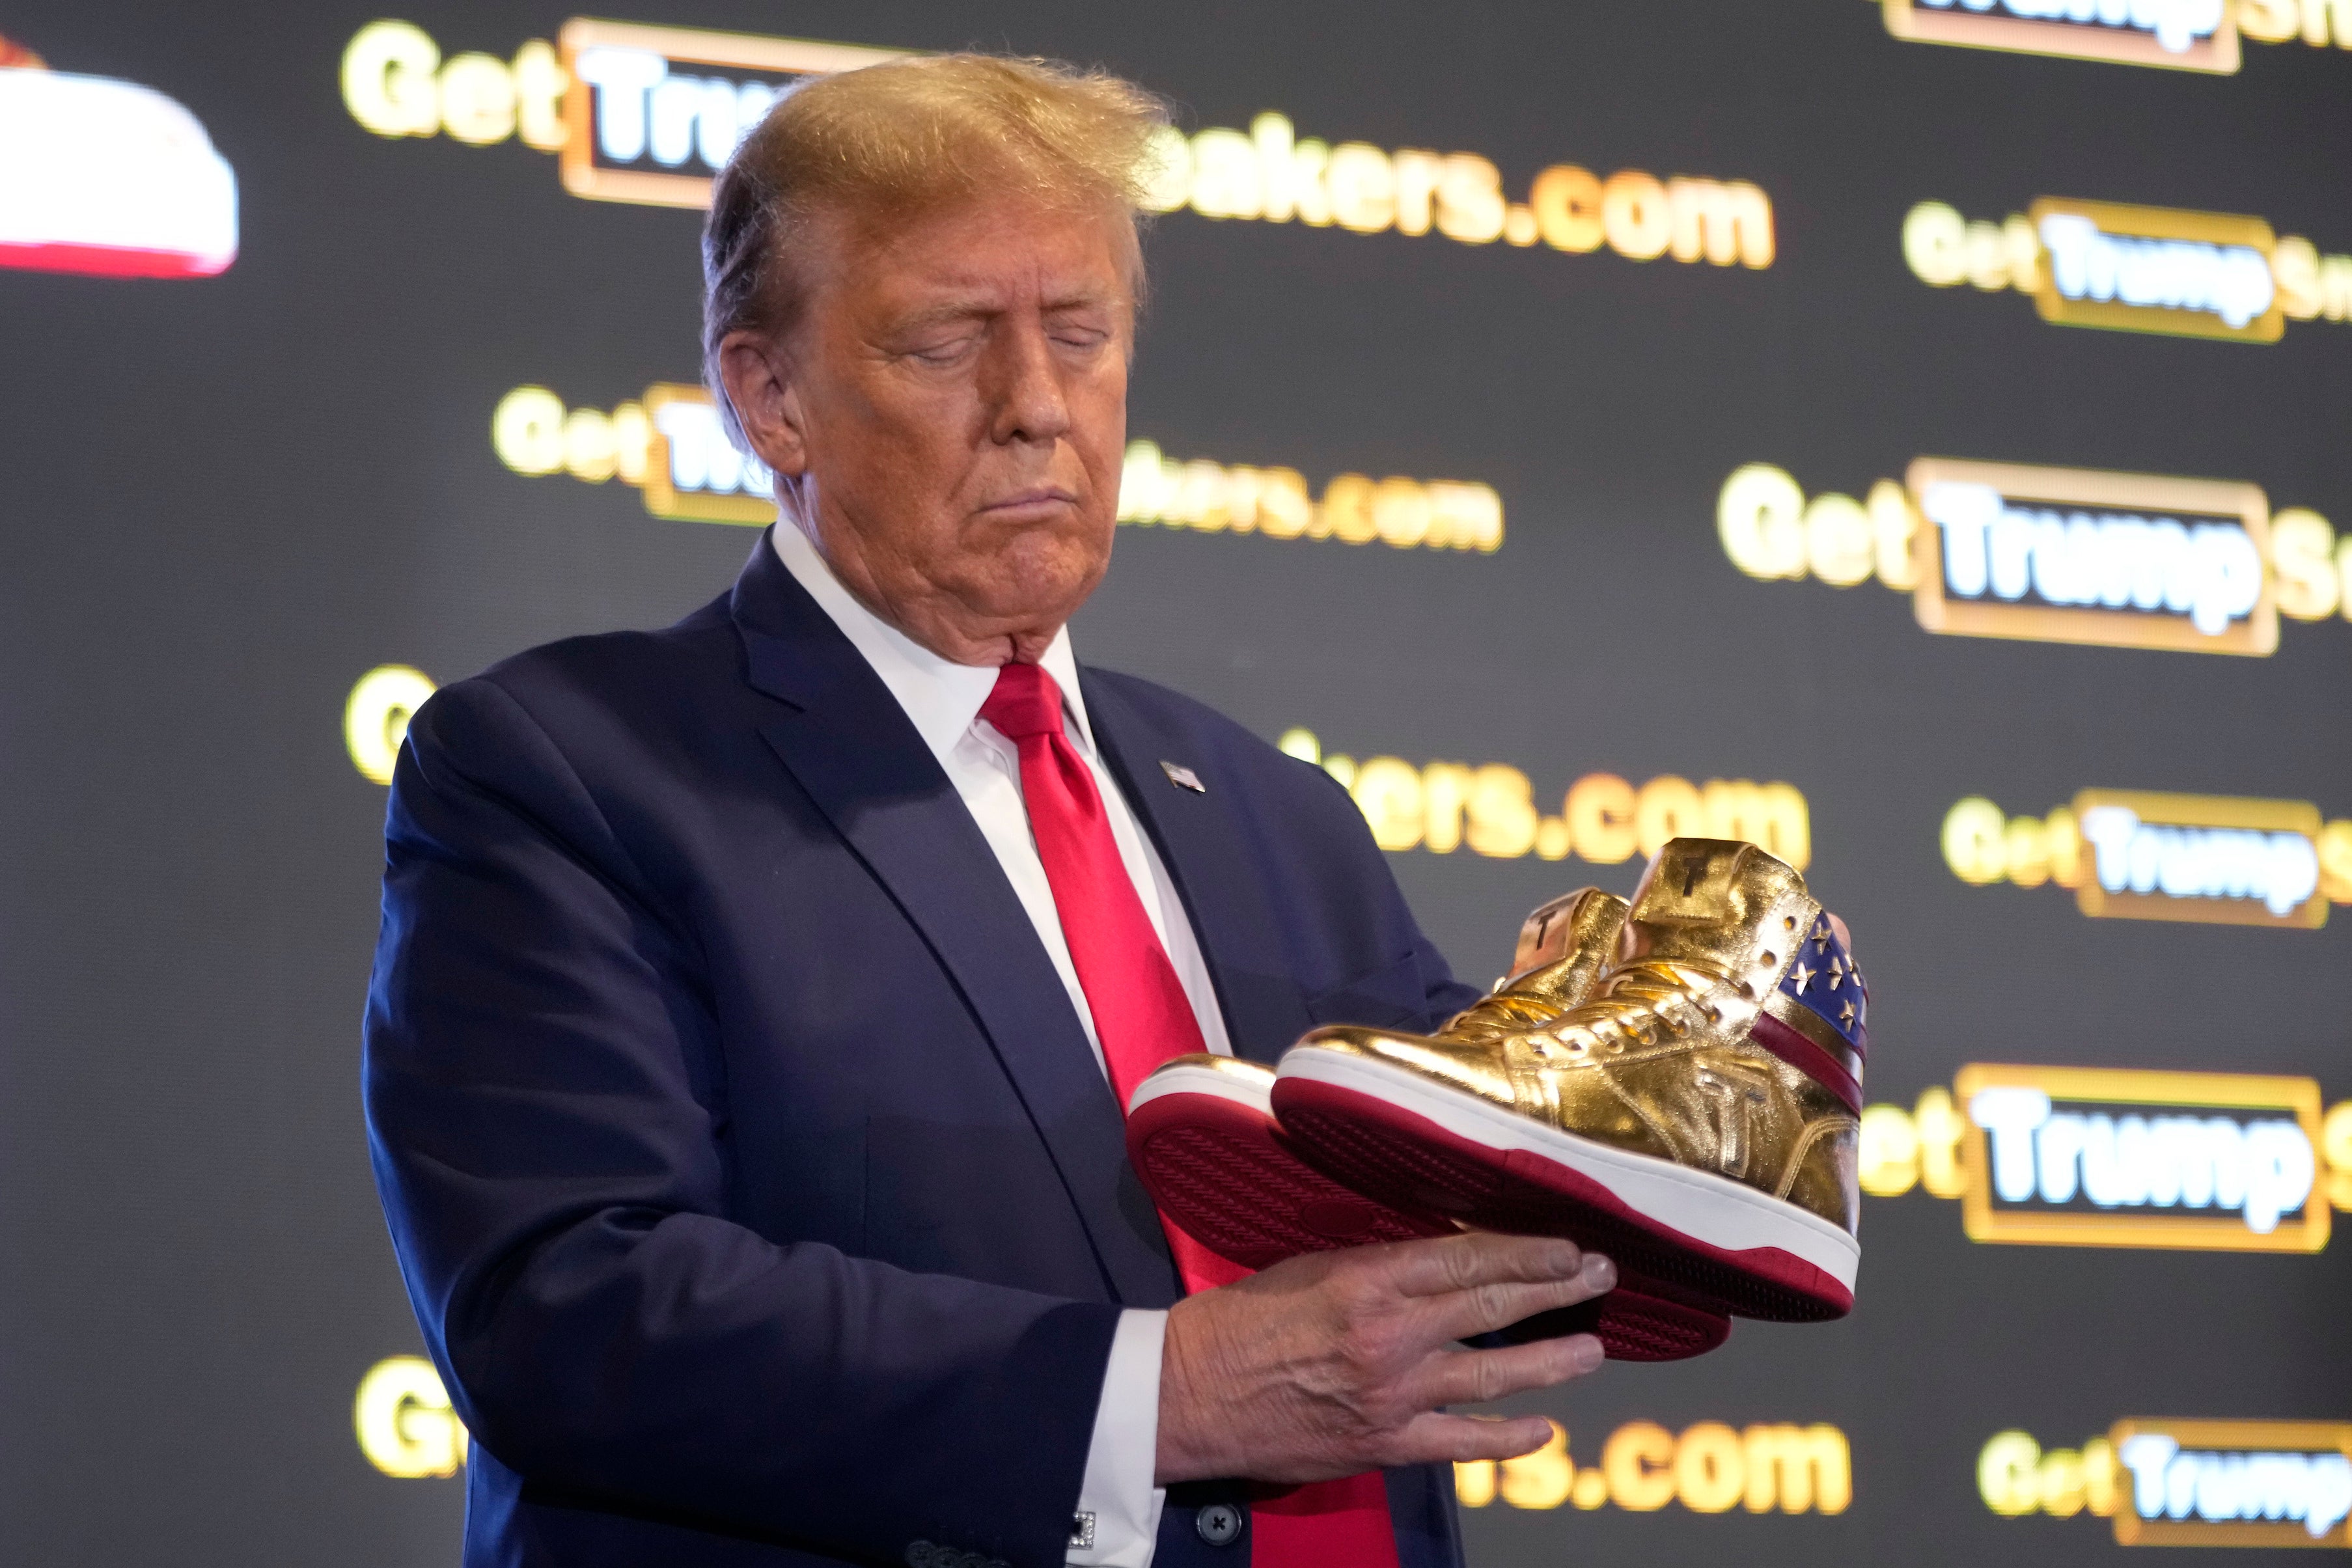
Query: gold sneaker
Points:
[1696, 1119]
[1201, 1134]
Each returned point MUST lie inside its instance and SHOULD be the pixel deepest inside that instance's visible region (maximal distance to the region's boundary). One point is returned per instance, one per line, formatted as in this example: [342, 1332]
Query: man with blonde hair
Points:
[758, 997]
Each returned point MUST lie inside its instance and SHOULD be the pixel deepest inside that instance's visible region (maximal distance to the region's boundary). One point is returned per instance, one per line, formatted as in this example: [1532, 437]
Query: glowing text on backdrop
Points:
[637, 128]
[2085, 1156]
[1444, 806]
[2181, 35]
[650, 114]
[2138, 269]
[2234, 1483]
[2150, 855]
[2188, 35]
[1215, 497]
[1707, 1468]
[2067, 554]
[669, 445]
[2184, 1484]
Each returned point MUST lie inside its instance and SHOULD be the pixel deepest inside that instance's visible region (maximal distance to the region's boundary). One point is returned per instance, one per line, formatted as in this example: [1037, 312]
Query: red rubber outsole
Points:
[1635, 1322]
[1222, 1172]
[1408, 1161]
[1227, 1175]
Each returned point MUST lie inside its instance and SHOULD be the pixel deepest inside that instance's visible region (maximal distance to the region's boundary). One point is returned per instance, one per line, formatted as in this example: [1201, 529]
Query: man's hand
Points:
[1335, 1362]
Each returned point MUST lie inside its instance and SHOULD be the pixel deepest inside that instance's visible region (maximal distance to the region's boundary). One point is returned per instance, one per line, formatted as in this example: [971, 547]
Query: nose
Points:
[1023, 387]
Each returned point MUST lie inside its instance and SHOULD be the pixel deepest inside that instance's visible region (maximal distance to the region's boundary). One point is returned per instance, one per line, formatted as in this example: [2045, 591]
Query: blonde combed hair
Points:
[890, 140]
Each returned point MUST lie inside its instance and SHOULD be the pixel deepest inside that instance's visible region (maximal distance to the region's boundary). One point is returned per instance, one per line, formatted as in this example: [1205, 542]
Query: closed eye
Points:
[942, 354]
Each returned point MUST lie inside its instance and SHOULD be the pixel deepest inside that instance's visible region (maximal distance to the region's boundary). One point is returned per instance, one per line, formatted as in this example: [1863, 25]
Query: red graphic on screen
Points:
[108, 178]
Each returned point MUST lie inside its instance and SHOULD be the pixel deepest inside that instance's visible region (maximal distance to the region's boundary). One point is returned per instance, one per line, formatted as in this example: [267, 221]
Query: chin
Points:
[1033, 602]
[1040, 577]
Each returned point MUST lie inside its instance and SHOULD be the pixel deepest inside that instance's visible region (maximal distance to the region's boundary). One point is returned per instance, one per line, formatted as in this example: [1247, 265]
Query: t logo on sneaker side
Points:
[1734, 1095]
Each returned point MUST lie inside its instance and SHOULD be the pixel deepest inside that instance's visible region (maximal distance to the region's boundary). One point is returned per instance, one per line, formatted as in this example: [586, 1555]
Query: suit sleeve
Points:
[546, 1119]
[1447, 995]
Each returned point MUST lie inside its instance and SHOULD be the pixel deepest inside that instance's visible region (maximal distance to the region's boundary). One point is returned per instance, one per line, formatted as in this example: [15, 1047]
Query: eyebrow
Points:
[971, 306]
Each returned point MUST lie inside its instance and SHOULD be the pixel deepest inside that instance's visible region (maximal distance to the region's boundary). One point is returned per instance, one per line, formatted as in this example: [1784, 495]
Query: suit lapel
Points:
[1196, 837]
[852, 748]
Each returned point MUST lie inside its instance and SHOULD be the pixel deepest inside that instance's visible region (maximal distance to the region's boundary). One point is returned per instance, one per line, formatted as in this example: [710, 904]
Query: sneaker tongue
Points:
[1564, 947]
[1572, 940]
[1701, 900]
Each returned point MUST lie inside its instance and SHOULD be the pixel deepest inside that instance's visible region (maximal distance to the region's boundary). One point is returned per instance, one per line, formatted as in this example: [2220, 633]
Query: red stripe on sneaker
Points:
[1806, 1058]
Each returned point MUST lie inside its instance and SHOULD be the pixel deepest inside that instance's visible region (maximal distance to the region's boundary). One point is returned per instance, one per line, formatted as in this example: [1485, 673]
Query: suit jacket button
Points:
[1220, 1523]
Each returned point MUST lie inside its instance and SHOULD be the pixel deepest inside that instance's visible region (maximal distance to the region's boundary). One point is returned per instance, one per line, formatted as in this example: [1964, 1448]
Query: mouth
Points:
[1035, 501]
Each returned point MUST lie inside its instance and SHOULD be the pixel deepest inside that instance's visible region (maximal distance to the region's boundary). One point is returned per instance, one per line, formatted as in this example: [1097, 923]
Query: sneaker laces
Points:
[1645, 1000]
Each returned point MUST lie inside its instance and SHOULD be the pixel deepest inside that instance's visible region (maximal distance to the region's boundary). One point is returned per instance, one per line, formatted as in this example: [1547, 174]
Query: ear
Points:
[759, 384]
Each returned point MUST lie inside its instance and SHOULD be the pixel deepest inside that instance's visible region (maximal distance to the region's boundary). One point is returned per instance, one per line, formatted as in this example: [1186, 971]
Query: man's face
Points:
[953, 404]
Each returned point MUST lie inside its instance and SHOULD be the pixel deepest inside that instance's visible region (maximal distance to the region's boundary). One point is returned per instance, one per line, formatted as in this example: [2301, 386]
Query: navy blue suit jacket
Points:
[758, 1193]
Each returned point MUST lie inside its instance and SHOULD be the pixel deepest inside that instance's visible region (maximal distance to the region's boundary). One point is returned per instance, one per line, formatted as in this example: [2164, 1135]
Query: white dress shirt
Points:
[943, 701]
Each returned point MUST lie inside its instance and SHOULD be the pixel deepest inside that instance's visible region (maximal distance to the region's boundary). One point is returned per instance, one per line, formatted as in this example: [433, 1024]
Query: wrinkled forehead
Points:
[972, 252]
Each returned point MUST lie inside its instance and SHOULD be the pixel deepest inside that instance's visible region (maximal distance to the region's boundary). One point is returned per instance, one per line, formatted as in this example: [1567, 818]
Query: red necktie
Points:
[1142, 1018]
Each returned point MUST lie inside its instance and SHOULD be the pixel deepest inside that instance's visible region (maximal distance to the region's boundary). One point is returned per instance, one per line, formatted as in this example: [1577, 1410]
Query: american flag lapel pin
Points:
[1183, 778]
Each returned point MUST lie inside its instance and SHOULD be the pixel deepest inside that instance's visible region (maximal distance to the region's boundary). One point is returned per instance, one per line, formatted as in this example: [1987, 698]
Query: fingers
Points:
[1455, 1263]
[1482, 1309]
[1477, 1377]
[1439, 1438]
[1348, 1354]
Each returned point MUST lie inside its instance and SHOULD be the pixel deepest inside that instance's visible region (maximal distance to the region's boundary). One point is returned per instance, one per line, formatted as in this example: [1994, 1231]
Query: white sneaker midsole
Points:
[1707, 1207]
[1250, 1091]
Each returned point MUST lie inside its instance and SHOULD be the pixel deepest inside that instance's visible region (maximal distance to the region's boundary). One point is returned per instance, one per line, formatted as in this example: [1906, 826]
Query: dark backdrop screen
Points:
[1907, 435]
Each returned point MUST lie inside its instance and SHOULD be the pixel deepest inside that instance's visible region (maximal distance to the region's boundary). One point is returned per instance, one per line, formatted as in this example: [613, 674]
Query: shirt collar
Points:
[942, 698]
